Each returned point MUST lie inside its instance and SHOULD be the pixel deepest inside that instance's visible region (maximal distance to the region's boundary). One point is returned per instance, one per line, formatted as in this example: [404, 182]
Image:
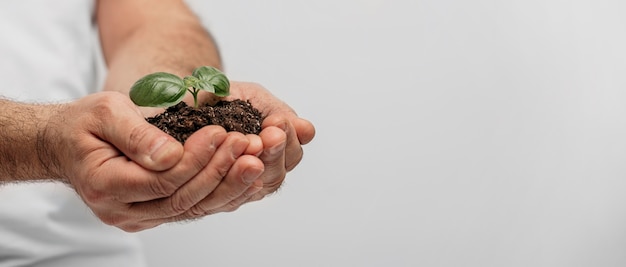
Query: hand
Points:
[134, 176]
[282, 136]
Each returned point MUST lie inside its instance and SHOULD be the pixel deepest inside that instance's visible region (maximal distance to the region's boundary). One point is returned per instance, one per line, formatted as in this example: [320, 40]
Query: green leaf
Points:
[191, 81]
[212, 80]
[158, 89]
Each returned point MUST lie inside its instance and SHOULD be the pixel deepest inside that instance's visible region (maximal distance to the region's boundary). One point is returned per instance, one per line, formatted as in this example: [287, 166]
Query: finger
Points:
[102, 183]
[293, 149]
[117, 181]
[256, 187]
[200, 149]
[237, 183]
[273, 157]
[245, 171]
[202, 184]
[304, 130]
[255, 147]
[135, 137]
[133, 183]
[256, 197]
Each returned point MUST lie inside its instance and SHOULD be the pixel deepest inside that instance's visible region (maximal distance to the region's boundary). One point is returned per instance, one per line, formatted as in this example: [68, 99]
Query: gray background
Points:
[449, 133]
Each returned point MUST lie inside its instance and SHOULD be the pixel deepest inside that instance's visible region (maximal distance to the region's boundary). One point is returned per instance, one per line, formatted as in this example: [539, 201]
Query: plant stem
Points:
[194, 93]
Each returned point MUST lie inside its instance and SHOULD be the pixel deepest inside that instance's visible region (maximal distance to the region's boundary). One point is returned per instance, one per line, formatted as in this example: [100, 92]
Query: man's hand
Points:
[134, 176]
[139, 37]
[282, 136]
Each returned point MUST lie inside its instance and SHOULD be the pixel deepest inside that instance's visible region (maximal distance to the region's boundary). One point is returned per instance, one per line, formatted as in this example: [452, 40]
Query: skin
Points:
[132, 175]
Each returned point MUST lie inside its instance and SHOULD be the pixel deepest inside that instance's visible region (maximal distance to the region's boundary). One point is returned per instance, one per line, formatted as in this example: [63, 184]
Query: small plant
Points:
[162, 89]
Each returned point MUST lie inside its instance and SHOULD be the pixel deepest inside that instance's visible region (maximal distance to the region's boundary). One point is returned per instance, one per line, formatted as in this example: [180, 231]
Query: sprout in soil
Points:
[162, 89]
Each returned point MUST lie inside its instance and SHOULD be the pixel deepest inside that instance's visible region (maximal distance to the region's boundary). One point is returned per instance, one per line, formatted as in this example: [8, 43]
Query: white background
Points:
[449, 133]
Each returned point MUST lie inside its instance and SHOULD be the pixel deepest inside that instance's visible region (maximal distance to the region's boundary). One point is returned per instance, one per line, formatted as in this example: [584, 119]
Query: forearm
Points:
[166, 37]
[25, 151]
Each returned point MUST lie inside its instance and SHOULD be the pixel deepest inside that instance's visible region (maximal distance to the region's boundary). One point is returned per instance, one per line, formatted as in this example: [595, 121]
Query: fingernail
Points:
[162, 148]
[238, 148]
[272, 151]
[217, 140]
[282, 126]
[251, 175]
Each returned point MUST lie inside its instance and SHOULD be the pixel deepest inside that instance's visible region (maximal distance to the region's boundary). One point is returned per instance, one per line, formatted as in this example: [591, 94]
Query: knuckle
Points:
[103, 107]
[96, 194]
[137, 134]
[92, 196]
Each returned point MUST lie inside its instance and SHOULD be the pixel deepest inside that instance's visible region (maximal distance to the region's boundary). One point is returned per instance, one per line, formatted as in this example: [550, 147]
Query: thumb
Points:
[141, 141]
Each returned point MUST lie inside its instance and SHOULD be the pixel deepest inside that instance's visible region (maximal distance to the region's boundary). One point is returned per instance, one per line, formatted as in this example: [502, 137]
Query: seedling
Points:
[162, 89]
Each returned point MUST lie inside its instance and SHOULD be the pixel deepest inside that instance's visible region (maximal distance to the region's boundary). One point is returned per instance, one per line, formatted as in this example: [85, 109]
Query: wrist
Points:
[25, 153]
[48, 142]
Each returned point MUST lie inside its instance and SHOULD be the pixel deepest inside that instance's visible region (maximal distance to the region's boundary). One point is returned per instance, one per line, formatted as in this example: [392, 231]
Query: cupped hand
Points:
[134, 176]
[283, 134]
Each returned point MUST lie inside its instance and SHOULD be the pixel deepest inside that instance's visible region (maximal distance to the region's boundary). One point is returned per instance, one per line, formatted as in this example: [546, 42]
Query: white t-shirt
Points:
[49, 53]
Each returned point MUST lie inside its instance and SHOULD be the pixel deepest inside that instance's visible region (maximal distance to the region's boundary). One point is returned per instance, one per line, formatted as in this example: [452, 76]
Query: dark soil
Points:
[180, 121]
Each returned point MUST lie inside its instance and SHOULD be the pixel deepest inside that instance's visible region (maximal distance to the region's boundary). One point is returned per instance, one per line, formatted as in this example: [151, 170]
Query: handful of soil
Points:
[181, 121]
